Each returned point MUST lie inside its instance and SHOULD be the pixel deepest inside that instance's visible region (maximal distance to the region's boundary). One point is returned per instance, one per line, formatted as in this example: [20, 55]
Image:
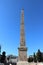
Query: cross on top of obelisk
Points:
[22, 35]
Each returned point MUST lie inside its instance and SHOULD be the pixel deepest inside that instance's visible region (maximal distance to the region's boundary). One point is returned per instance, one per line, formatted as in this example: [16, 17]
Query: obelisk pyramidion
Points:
[22, 58]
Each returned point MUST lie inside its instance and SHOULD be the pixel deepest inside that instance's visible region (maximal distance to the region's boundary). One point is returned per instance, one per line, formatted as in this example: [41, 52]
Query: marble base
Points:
[22, 63]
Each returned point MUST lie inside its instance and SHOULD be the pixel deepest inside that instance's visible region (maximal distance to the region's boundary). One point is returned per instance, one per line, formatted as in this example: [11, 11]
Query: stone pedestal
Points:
[22, 63]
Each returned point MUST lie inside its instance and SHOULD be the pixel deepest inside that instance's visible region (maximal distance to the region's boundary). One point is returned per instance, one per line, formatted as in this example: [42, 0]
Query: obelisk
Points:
[22, 58]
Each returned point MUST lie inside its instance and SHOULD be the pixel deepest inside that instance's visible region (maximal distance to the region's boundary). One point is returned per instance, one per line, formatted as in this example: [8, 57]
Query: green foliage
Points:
[34, 58]
[39, 56]
[30, 59]
[0, 57]
[3, 57]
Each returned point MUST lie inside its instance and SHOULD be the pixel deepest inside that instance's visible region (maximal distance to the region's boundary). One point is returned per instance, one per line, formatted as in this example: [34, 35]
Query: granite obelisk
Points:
[22, 48]
[22, 58]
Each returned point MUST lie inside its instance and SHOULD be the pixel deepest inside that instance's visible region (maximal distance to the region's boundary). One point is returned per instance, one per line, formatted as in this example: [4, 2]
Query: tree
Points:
[30, 59]
[0, 57]
[34, 58]
[39, 56]
[42, 57]
[3, 57]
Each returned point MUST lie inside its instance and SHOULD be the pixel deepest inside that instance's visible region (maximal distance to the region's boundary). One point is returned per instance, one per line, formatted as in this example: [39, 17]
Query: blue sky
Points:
[10, 16]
